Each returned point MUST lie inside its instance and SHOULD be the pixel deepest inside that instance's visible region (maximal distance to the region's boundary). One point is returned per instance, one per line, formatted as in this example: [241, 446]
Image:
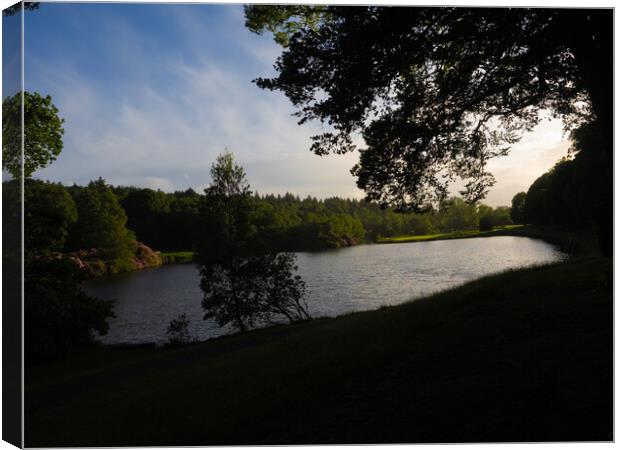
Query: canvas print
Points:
[298, 224]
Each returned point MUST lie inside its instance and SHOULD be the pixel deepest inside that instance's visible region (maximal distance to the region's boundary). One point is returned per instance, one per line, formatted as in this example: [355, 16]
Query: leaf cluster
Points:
[42, 133]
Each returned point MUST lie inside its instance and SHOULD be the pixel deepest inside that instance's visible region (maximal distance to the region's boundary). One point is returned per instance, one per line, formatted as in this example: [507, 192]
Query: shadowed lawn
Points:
[521, 356]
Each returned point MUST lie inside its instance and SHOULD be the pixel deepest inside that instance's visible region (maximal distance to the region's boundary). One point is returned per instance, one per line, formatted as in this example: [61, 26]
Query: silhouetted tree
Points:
[146, 209]
[58, 315]
[101, 225]
[178, 330]
[17, 7]
[242, 280]
[517, 212]
[437, 92]
[42, 133]
[49, 211]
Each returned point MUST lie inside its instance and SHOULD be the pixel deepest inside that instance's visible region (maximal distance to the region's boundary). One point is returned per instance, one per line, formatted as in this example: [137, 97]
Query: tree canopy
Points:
[437, 91]
[49, 211]
[101, 224]
[42, 133]
[242, 280]
[17, 7]
[517, 211]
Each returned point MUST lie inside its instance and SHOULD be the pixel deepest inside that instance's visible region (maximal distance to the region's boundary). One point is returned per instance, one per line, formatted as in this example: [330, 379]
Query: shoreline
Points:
[573, 242]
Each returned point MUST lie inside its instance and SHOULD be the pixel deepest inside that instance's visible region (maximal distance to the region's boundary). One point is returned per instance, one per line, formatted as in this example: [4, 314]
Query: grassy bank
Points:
[497, 231]
[177, 257]
[520, 356]
[572, 241]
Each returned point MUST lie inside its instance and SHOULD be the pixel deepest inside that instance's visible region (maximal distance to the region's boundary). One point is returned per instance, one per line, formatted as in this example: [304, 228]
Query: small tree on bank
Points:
[242, 279]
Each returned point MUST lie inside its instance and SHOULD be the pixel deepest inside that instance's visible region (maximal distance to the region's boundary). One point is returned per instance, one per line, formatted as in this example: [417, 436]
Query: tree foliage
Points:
[276, 19]
[575, 192]
[144, 207]
[42, 133]
[178, 330]
[517, 211]
[17, 7]
[101, 224]
[59, 316]
[242, 279]
[437, 92]
[49, 211]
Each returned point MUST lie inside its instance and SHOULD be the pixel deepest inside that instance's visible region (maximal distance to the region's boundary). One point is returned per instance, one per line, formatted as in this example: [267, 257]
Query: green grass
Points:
[579, 242]
[521, 356]
[177, 257]
[497, 231]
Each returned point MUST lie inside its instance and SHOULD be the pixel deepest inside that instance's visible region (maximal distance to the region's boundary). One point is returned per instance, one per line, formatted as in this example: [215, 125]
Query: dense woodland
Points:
[111, 217]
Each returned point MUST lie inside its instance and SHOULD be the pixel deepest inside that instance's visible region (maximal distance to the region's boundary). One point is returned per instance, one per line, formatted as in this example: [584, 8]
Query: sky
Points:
[152, 93]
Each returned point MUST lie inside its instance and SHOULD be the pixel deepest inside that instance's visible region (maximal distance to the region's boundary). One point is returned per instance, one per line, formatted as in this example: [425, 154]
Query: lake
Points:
[358, 278]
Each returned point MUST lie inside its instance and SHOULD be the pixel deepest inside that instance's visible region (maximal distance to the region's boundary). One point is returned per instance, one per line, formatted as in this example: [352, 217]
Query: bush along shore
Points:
[94, 262]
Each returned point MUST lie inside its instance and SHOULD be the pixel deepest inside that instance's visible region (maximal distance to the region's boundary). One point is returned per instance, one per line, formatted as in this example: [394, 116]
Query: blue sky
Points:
[151, 93]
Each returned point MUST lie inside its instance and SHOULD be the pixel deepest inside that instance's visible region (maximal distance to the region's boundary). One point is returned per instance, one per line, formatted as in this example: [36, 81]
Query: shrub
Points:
[59, 315]
[485, 224]
[178, 330]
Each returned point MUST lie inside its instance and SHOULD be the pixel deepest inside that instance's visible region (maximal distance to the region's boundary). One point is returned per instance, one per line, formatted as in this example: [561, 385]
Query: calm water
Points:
[338, 281]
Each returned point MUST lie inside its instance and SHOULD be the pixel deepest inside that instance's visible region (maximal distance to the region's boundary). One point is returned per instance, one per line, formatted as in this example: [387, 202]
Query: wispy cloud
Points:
[168, 136]
[159, 116]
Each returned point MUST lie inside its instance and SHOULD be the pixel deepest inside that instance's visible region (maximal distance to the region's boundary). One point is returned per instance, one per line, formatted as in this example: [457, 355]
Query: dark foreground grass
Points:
[521, 356]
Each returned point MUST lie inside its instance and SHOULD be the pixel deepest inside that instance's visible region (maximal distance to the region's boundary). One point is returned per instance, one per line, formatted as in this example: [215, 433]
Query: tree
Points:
[275, 18]
[178, 330]
[145, 209]
[59, 316]
[517, 212]
[49, 211]
[17, 7]
[243, 281]
[457, 215]
[437, 92]
[42, 133]
[101, 225]
[537, 208]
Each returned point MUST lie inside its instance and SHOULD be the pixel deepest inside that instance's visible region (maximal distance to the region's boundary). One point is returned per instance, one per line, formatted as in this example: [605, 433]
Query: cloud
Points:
[159, 116]
[163, 184]
[167, 137]
[537, 152]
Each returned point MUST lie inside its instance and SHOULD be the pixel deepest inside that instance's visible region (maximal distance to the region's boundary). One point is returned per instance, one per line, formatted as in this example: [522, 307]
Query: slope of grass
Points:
[497, 231]
[572, 241]
[520, 356]
[177, 257]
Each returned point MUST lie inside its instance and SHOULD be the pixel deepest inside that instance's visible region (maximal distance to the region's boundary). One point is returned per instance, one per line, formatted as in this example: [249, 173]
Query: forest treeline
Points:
[111, 218]
[172, 221]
